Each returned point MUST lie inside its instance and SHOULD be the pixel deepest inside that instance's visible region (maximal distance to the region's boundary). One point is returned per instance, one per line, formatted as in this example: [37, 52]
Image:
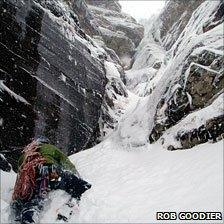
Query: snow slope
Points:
[130, 186]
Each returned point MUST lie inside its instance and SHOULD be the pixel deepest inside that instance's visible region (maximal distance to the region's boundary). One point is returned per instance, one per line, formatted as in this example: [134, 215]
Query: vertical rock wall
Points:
[52, 80]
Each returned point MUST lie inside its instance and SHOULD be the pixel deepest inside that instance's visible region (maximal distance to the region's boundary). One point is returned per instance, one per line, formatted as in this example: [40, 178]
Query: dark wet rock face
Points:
[84, 16]
[199, 79]
[18, 56]
[51, 82]
[4, 164]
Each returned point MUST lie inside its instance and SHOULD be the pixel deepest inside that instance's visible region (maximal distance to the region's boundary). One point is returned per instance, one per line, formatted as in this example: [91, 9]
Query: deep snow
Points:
[131, 186]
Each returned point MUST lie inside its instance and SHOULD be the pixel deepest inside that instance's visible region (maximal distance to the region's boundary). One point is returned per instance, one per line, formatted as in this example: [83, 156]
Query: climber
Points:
[42, 168]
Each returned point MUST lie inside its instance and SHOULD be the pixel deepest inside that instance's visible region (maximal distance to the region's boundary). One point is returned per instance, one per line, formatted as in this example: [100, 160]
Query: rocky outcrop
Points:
[203, 82]
[200, 77]
[120, 32]
[212, 131]
[111, 5]
[52, 75]
[197, 127]
[173, 20]
[84, 16]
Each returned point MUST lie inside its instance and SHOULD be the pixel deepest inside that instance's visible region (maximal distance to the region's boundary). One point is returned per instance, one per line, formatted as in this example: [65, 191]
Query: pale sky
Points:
[141, 9]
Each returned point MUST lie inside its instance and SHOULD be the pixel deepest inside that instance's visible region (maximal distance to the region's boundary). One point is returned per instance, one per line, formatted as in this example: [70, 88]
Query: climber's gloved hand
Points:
[79, 187]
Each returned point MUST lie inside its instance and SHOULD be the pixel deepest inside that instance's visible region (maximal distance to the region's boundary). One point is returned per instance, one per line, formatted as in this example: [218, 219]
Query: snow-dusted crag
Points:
[173, 20]
[197, 78]
[118, 30]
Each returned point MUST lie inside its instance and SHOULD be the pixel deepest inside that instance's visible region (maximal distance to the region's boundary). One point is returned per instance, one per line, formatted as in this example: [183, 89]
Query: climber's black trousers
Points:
[28, 211]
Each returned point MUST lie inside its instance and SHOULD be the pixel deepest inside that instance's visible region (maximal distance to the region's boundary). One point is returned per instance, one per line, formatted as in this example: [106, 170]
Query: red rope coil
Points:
[26, 178]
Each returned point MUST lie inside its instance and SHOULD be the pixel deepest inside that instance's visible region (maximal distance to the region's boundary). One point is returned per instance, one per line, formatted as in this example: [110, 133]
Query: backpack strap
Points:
[44, 180]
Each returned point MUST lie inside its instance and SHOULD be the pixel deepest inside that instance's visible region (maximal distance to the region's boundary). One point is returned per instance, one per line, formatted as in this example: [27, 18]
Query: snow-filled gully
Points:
[132, 179]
